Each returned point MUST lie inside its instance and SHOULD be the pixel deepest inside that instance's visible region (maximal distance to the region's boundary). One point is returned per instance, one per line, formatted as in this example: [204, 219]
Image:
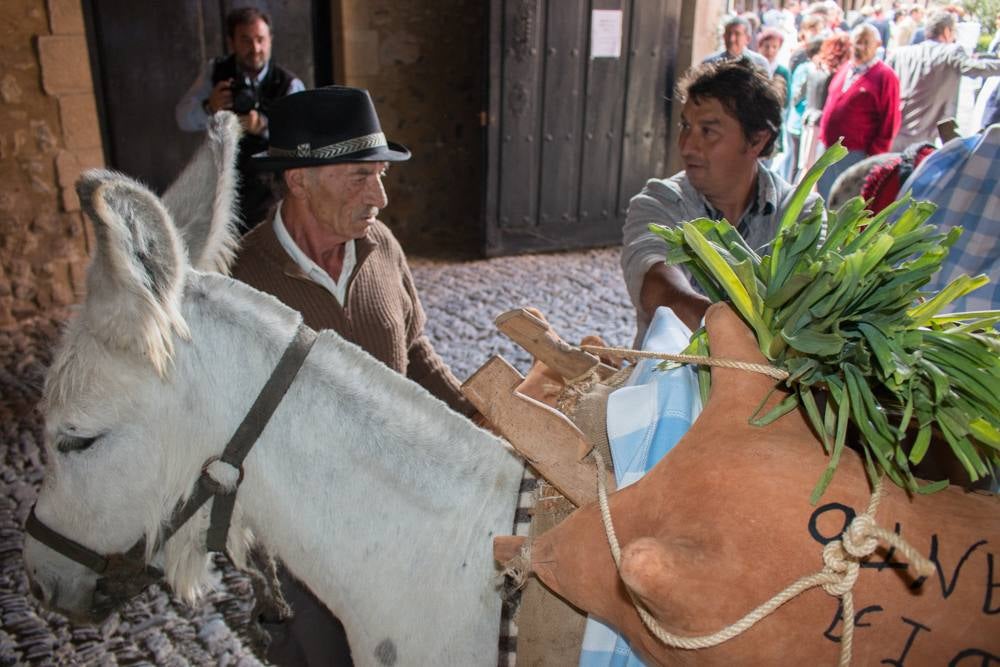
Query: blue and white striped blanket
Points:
[646, 418]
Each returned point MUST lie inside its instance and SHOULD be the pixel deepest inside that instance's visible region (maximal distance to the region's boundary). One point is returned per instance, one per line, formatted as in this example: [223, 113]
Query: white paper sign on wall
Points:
[606, 33]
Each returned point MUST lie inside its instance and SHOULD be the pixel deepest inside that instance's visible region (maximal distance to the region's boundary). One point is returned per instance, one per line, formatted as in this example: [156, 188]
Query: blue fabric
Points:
[646, 418]
[795, 112]
[962, 179]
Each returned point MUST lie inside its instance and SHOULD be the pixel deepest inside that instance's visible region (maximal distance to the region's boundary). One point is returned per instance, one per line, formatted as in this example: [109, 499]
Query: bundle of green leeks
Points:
[867, 352]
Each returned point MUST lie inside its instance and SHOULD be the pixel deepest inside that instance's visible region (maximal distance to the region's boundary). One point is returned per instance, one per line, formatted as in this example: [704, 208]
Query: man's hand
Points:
[667, 286]
[221, 97]
[253, 122]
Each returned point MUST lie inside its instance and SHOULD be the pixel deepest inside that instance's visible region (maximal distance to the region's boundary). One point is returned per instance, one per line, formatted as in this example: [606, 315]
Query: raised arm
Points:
[651, 283]
[970, 66]
[189, 113]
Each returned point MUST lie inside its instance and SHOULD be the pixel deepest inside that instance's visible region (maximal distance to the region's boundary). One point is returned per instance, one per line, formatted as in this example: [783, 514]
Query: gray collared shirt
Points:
[674, 200]
[759, 61]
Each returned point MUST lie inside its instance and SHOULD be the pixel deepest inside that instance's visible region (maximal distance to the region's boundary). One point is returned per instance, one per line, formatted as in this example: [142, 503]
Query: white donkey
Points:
[373, 492]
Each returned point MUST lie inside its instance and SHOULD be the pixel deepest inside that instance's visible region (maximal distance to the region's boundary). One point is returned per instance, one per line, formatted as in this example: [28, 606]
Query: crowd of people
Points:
[882, 78]
[755, 116]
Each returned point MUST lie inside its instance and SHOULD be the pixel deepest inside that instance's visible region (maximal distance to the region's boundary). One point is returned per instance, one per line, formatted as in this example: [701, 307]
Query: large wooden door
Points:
[571, 137]
[146, 56]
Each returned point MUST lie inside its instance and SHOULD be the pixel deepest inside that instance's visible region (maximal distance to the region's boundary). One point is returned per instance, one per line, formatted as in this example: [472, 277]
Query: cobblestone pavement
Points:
[579, 292]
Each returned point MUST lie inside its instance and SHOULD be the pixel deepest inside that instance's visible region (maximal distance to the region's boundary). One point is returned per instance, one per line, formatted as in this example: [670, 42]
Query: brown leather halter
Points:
[125, 575]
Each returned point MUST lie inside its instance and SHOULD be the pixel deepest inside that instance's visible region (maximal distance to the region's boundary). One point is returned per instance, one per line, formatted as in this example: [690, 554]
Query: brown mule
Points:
[724, 522]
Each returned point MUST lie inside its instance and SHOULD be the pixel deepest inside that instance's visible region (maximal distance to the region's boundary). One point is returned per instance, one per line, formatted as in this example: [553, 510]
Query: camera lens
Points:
[244, 101]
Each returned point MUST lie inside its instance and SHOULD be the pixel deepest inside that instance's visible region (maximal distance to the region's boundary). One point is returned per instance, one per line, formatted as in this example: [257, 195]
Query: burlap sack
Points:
[724, 522]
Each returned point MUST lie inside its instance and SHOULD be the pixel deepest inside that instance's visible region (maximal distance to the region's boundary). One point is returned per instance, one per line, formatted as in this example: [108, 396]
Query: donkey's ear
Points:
[136, 278]
[203, 199]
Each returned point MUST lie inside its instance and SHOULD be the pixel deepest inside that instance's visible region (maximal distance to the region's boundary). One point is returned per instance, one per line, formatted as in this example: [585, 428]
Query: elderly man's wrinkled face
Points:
[251, 44]
[864, 44]
[345, 199]
[715, 152]
[737, 39]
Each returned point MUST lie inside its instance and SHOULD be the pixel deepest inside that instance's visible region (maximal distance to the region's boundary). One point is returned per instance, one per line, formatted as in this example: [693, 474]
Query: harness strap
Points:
[241, 443]
[67, 547]
[235, 452]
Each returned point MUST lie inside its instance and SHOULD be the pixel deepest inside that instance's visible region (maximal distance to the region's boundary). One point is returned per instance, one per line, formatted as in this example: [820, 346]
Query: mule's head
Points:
[109, 390]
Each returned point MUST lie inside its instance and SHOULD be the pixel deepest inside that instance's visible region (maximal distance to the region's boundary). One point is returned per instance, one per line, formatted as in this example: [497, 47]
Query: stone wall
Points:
[49, 132]
[423, 61]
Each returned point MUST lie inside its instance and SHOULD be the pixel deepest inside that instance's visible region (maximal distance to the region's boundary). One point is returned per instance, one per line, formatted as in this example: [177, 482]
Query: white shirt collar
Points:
[312, 270]
[261, 74]
[864, 67]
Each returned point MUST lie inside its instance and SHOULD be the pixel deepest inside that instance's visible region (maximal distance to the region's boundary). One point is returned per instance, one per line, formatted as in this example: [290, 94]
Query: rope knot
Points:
[842, 567]
[860, 539]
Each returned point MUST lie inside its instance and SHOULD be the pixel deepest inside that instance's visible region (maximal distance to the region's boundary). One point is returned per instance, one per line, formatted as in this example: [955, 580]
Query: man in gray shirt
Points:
[737, 35]
[929, 75]
[730, 119]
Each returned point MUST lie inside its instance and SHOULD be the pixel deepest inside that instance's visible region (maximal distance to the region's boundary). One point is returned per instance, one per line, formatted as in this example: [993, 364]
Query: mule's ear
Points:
[203, 199]
[136, 278]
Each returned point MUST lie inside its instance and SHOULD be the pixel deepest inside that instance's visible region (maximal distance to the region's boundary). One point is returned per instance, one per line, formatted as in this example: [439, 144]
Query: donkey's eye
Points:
[72, 443]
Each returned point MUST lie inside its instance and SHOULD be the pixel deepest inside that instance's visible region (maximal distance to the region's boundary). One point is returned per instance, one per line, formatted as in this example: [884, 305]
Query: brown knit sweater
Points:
[381, 313]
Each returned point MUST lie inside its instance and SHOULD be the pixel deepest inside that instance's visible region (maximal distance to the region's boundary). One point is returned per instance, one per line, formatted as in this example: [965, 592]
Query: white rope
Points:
[763, 369]
[841, 559]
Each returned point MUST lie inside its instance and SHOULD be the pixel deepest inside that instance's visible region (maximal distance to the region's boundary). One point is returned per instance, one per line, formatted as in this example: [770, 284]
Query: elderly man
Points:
[862, 105]
[929, 76]
[325, 253]
[246, 81]
[737, 35]
[730, 119]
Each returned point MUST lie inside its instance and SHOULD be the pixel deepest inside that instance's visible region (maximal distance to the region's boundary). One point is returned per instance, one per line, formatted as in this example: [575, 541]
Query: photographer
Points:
[245, 82]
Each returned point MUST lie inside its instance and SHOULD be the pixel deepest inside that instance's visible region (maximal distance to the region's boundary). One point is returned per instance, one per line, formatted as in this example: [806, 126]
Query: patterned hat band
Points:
[376, 140]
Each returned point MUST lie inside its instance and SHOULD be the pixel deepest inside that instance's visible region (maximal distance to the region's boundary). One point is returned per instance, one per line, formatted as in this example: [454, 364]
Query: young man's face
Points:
[251, 44]
[715, 152]
[344, 199]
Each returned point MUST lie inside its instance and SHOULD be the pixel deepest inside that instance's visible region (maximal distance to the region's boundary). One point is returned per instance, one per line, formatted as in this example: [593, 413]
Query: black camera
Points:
[245, 95]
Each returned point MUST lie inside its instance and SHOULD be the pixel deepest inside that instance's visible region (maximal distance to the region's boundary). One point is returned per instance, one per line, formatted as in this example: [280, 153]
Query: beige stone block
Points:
[10, 146]
[80, 126]
[70, 164]
[25, 291]
[68, 200]
[6, 314]
[38, 172]
[45, 138]
[67, 168]
[43, 296]
[65, 64]
[78, 275]
[22, 310]
[66, 17]
[10, 90]
[91, 158]
[61, 282]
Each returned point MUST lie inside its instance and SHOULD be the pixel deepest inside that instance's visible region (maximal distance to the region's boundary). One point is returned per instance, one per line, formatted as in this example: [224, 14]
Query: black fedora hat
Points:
[329, 125]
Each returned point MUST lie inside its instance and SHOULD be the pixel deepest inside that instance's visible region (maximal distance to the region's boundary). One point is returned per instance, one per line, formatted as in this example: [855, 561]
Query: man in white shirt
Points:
[247, 82]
